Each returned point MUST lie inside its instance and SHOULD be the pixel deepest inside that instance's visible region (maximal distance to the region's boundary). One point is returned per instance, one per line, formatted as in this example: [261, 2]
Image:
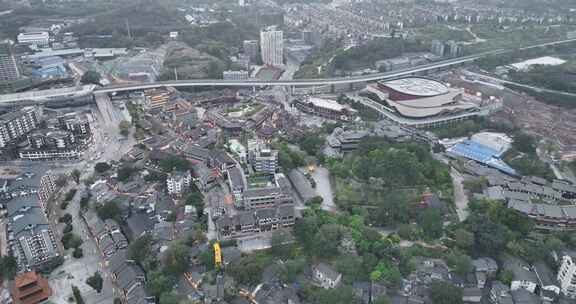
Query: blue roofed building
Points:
[485, 155]
[49, 67]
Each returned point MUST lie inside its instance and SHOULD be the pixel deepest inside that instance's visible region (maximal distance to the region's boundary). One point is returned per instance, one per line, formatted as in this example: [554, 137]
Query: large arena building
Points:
[423, 102]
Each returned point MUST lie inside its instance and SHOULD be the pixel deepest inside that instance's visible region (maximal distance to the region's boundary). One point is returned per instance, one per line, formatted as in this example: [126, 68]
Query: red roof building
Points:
[30, 288]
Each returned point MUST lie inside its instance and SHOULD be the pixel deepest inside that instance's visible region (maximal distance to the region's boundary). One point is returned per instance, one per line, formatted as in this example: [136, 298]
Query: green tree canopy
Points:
[8, 267]
[443, 293]
[158, 283]
[431, 223]
[109, 210]
[464, 239]
[101, 167]
[176, 259]
[173, 162]
[91, 77]
[140, 249]
[95, 281]
[460, 263]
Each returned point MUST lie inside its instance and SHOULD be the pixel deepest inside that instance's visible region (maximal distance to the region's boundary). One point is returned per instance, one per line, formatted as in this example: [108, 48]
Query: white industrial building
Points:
[38, 39]
[497, 141]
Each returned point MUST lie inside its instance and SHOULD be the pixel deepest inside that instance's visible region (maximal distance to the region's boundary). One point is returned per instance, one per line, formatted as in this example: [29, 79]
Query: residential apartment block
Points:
[255, 221]
[567, 275]
[14, 125]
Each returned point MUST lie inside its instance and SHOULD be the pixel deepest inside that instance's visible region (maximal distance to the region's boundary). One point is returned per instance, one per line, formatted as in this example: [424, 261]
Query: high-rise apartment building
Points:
[272, 46]
[14, 125]
[567, 275]
[8, 66]
[438, 48]
[250, 48]
[32, 240]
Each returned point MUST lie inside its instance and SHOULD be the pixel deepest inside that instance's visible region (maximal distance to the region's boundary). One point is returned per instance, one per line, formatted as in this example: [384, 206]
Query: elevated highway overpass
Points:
[421, 69]
[300, 82]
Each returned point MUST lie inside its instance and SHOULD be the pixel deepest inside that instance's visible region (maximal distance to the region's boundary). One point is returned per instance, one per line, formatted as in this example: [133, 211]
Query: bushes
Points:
[102, 167]
[71, 240]
[174, 162]
[78, 253]
[77, 295]
[67, 229]
[95, 281]
[109, 210]
[70, 195]
[66, 218]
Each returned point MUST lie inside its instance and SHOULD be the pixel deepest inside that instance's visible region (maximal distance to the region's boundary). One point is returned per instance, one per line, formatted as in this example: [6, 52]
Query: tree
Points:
[173, 162]
[91, 77]
[408, 231]
[70, 195]
[460, 263]
[66, 218]
[169, 298]
[177, 257]
[77, 295]
[506, 276]
[207, 258]
[524, 143]
[292, 268]
[382, 300]
[117, 301]
[248, 270]
[311, 143]
[139, 249]
[102, 167]
[490, 238]
[445, 293]
[315, 201]
[340, 295]
[124, 127]
[75, 174]
[388, 273]
[196, 199]
[8, 267]
[158, 283]
[78, 253]
[431, 223]
[109, 210]
[350, 267]
[280, 244]
[95, 281]
[71, 240]
[327, 240]
[305, 229]
[68, 228]
[125, 172]
[464, 239]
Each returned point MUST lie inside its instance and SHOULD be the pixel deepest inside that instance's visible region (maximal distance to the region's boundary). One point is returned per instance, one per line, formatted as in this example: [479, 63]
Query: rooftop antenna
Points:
[128, 29]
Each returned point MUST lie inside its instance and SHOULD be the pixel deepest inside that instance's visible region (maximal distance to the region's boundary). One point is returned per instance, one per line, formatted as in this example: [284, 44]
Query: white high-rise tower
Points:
[272, 46]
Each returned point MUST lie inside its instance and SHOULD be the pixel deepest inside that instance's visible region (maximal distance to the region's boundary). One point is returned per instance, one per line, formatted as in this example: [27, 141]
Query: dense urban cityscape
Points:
[288, 151]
